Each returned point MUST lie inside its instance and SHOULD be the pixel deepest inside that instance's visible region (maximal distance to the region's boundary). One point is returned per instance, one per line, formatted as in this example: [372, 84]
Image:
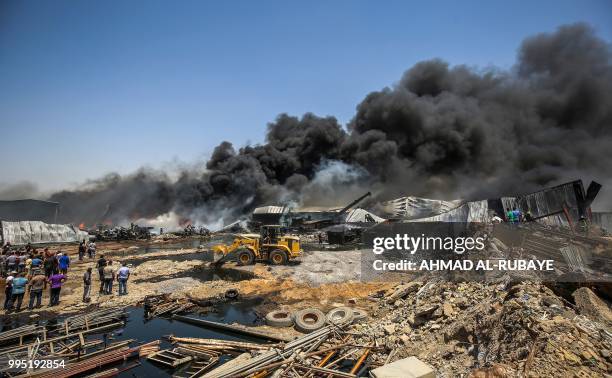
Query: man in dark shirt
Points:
[49, 264]
[81, 250]
[37, 284]
[86, 285]
[100, 265]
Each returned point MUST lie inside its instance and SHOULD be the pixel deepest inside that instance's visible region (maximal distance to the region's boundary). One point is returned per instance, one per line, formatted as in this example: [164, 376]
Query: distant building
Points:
[29, 210]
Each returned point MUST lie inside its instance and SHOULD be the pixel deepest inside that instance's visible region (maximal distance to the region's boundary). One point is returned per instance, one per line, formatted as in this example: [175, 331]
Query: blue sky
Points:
[90, 87]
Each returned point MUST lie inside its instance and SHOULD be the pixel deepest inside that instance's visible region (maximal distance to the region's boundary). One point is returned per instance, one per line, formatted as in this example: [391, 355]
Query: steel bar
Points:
[232, 328]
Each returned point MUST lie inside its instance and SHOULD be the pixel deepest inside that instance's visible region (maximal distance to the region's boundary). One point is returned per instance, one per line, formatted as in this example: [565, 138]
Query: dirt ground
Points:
[319, 278]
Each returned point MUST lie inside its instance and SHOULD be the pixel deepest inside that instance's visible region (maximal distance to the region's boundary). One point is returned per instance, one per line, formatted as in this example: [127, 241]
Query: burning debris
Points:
[133, 232]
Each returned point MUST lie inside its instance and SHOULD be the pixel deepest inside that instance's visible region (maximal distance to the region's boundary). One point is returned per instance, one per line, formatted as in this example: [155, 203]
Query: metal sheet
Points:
[35, 232]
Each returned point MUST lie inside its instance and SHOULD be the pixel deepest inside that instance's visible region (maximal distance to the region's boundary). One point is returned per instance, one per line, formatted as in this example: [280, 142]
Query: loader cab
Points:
[270, 234]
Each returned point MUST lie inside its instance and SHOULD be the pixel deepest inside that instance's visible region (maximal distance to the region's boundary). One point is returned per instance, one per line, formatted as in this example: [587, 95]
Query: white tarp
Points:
[362, 216]
[35, 232]
[475, 211]
[269, 210]
[416, 207]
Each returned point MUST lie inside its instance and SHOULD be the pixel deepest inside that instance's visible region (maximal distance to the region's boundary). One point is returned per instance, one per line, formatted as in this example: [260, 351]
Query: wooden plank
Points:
[93, 330]
[204, 368]
[160, 361]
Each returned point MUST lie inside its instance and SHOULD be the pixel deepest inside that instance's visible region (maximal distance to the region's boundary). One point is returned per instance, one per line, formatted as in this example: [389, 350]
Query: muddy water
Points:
[197, 243]
[155, 329]
[135, 261]
[205, 273]
[137, 256]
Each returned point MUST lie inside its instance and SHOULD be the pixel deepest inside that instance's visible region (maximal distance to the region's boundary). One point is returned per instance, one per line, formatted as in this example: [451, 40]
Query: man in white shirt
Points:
[122, 277]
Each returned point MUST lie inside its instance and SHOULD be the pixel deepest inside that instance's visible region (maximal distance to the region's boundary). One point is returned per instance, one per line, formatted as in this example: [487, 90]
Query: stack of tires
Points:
[311, 319]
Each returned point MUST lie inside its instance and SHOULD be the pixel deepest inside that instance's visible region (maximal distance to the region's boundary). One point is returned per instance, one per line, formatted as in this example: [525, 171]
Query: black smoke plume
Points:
[442, 131]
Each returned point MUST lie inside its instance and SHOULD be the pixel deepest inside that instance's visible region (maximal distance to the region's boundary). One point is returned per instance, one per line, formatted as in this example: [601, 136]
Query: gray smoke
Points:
[445, 132]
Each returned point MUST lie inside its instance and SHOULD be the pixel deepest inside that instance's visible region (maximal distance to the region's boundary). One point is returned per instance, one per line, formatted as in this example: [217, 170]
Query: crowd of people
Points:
[27, 270]
[515, 215]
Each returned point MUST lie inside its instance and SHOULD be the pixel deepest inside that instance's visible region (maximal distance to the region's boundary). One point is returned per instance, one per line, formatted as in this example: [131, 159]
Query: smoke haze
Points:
[442, 131]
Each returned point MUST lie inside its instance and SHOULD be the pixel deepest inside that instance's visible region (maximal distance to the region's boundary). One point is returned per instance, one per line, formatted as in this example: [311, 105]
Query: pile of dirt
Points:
[508, 329]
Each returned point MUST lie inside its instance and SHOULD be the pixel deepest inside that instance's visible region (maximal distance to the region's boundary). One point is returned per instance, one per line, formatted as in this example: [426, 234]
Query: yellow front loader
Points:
[270, 245]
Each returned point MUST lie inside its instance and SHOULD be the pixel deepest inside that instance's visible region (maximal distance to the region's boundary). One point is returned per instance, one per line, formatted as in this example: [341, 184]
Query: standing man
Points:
[2, 265]
[91, 250]
[21, 266]
[36, 263]
[509, 216]
[122, 277]
[81, 250]
[64, 263]
[516, 214]
[8, 290]
[37, 284]
[86, 285]
[100, 265]
[56, 280]
[28, 265]
[48, 264]
[109, 276]
[11, 262]
[19, 287]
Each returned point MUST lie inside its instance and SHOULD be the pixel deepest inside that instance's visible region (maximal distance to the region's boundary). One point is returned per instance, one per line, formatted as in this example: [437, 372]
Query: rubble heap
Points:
[507, 328]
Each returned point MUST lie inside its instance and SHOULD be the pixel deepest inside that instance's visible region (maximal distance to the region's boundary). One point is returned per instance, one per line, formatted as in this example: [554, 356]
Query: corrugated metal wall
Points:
[20, 233]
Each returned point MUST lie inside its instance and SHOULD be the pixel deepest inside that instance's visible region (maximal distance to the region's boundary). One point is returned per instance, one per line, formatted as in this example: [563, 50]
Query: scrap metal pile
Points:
[134, 232]
[330, 350]
[161, 305]
[192, 230]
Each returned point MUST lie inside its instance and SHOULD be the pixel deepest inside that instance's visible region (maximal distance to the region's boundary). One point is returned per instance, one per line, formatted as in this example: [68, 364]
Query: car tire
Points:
[245, 257]
[279, 318]
[231, 293]
[340, 315]
[309, 320]
[359, 315]
[278, 257]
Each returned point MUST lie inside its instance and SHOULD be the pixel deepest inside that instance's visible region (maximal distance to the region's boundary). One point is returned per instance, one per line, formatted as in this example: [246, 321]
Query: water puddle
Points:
[206, 273]
[135, 261]
[197, 243]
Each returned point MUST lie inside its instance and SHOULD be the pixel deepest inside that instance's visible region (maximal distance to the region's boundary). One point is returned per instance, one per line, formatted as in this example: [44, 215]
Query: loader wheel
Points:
[245, 257]
[278, 257]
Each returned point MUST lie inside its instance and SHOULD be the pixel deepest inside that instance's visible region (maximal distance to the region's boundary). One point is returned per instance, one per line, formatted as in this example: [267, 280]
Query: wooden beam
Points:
[50, 341]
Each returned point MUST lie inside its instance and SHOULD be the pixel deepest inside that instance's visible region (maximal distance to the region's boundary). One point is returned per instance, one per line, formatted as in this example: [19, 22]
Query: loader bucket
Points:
[221, 257]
